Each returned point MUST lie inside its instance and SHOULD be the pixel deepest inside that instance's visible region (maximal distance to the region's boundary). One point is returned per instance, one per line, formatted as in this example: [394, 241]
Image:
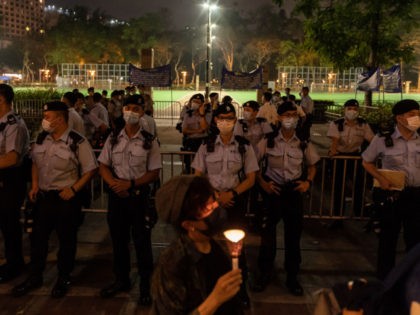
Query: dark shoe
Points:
[144, 300]
[8, 273]
[294, 286]
[245, 301]
[261, 281]
[115, 288]
[30, 284]
[335, 225]
[61, 287]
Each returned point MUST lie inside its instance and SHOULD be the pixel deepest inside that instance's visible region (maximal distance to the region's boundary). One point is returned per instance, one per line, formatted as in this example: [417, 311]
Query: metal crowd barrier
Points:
[318, 202]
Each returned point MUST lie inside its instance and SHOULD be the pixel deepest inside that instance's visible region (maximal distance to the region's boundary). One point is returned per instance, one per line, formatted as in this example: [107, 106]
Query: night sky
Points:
[184, 11]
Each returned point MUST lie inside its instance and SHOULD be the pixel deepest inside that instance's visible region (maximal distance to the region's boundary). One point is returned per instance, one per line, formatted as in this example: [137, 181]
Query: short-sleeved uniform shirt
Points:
[352, 136]
[14, 137]
[193, 122]
[58, 165]
[402, 156]
[223, 166]
[128, 159]
[254, 132]
[307, 104]
[285, 160]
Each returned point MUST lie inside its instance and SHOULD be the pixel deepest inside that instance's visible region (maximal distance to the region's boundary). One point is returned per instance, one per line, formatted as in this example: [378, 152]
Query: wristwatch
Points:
[234, 192]
[309, 181]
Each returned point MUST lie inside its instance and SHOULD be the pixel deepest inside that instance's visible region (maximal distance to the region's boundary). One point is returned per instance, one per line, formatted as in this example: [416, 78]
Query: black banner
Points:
[153, 77]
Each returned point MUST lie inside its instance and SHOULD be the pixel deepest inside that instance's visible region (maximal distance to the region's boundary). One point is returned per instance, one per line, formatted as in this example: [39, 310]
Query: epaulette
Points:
[76, 139]
[148, 139]
[41, 137]
[11, 119]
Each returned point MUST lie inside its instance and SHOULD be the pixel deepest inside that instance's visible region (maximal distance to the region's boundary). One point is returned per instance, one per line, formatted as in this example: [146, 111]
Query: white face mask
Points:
[413, 123]
[247, 115]
[351, 114]
[225, 127]
[131, 118]
[46, 126]
[289, 123]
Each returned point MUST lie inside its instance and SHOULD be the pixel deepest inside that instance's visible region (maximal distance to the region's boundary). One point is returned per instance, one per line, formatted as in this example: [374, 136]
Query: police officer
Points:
[14, 143]
[63, 163]
[347, 137]
[399, 152]
[195, 126]
[129, 162]
[250, 127]
[283, 181]
[230, 164]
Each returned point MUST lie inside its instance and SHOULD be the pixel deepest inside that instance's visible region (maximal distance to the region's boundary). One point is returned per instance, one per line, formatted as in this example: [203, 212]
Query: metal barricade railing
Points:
[340, 189]
[319, 203]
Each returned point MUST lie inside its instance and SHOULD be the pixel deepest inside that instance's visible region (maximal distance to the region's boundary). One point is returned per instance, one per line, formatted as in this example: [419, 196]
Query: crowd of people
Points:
[267, 155]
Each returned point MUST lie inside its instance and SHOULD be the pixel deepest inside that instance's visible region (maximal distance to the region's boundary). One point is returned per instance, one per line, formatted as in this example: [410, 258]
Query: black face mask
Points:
[216, 222]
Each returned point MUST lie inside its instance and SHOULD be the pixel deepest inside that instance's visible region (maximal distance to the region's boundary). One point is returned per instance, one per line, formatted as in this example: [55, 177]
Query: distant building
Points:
[20, 17]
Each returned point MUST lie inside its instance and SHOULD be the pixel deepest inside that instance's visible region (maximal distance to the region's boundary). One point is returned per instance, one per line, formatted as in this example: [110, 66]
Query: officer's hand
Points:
[385, 184]
[120, 185]
[123, 194]
[332, 152]
[302, 186]
[33, 193]
[226, 198]
[271, 188]
[226, 286]
[66, 194]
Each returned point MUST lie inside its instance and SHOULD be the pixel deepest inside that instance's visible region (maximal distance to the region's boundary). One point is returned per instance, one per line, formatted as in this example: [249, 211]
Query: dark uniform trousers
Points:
[127, 216]
[405, 212]
[289, 207]
[53, 213]
[346, 170]
[191, 145]
[12, 194]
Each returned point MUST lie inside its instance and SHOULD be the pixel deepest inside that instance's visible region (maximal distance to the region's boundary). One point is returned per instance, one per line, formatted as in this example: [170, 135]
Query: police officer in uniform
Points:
[14, 143]
[283, 180]
[400, 151]
[63, 163]
[347, 136]
[230, 164]
[129, 162]
[195, 126]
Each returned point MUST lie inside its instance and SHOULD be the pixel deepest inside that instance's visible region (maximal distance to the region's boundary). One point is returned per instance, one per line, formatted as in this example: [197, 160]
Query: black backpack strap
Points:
[76, 139]
[271, 136]
[244, 125]
[261, 120]
[340, 124]
[210, 142]
[361, 121]
[242, 142]
[148, 139]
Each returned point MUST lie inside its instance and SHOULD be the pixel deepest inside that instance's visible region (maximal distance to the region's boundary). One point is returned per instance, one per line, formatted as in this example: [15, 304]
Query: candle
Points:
[235, 237]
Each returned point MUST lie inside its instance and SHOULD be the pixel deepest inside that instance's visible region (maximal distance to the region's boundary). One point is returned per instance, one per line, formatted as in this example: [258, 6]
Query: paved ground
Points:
[329, 256]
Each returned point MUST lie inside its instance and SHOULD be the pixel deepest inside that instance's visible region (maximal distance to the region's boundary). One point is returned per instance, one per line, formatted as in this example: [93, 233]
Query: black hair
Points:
[97, 97]
[267, 96]
[7, 92]
[71, 97]
[195, 199]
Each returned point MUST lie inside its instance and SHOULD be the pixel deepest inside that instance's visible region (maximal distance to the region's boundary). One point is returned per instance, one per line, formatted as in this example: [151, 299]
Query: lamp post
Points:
[210, 7]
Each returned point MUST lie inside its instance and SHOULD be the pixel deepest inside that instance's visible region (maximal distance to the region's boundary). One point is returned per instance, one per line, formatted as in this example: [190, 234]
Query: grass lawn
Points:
[243, 96]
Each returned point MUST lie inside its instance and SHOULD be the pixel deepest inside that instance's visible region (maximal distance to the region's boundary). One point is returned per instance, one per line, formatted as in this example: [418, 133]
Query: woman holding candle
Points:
[194, 274]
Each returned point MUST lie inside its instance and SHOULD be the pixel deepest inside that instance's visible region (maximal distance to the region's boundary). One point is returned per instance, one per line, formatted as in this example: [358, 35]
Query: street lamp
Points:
[184, 78]
[210, 7]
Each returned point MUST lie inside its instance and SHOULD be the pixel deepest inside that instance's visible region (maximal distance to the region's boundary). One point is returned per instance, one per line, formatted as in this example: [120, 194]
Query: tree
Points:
[358, 32]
